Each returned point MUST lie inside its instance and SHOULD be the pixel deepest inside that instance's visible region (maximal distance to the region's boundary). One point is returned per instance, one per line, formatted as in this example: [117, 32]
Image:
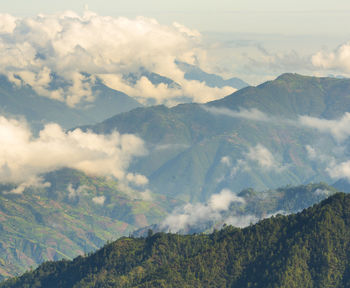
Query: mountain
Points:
[251, 138]
[308, 249]
[24, 101]
[193, 72]
[75, 215]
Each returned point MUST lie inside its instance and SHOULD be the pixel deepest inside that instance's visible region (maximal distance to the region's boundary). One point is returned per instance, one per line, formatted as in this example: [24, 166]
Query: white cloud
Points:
[338, 60]
[226, 161]
[257, 156]
[73, 193]
[249, 114]
[77, 49]
[222, 201]
[23, 157]
[137, 179]
[7, 23]
[339, 128]
[241, 221]
[34, 181]
[339, 170]
[264, 158]
[192, 215]
[100, 200]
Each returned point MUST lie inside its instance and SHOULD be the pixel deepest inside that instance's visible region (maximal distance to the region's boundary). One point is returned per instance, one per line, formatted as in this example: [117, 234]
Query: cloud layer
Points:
[72, 50]
[24, 157]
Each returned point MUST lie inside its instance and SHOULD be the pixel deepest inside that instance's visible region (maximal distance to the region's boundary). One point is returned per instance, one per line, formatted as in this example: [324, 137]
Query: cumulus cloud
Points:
[193, 215]
[339, 59]
[77, 49]
[23, 157]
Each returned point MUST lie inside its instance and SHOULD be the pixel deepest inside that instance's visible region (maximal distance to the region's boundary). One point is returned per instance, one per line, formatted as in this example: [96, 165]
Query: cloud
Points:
[241, 221]
[256, 156]
[338, 60]
[74, 193]
[249, 114]
[264, 158]
[339, 128]
[192, 215]
[7, 23]
[74, 50]
[222, 201]
[34, 181]
[323, 192]
[100, 200]
[24, 157]
[226, 161]
[339, 170]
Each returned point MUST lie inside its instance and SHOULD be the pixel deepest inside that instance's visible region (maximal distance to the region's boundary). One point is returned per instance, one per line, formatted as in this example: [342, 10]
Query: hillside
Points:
[75, 215]
[196, 150]
[308, 249]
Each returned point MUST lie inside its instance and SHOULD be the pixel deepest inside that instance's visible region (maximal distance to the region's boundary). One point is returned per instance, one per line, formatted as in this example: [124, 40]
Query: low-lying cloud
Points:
[24, 157]
[339, 128]
[256, 156]
[195, 215]
[77, 49]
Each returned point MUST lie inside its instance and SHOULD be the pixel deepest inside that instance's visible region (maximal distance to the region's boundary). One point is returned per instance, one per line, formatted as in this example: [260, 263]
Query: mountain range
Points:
[308, 249]
[261, 137]
[256, 137]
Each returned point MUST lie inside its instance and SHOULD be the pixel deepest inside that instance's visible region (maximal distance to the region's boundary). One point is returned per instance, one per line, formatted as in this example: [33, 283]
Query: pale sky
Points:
[253, 39]
[244, 16]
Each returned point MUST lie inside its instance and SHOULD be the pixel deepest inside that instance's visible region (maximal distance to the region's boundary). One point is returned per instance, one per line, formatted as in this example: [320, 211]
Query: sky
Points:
[253, 40]
[252, 16]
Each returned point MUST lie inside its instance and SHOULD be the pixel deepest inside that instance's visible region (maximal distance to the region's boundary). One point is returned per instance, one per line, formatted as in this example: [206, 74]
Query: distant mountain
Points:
[75, 215]
[24, 101]
[197, 150]
[308, 249]
[212, 80]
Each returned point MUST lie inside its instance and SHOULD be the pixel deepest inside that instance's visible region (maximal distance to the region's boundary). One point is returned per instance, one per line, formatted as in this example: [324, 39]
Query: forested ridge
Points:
[308, 249]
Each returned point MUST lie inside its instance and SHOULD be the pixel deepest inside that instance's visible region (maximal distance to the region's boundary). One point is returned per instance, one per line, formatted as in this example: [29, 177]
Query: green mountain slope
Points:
[75, 215]
[308, 249]
[188, 143]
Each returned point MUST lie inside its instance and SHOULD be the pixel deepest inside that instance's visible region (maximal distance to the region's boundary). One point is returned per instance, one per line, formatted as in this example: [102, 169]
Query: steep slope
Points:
[308, 249]
[196, 150]
[75, 215]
